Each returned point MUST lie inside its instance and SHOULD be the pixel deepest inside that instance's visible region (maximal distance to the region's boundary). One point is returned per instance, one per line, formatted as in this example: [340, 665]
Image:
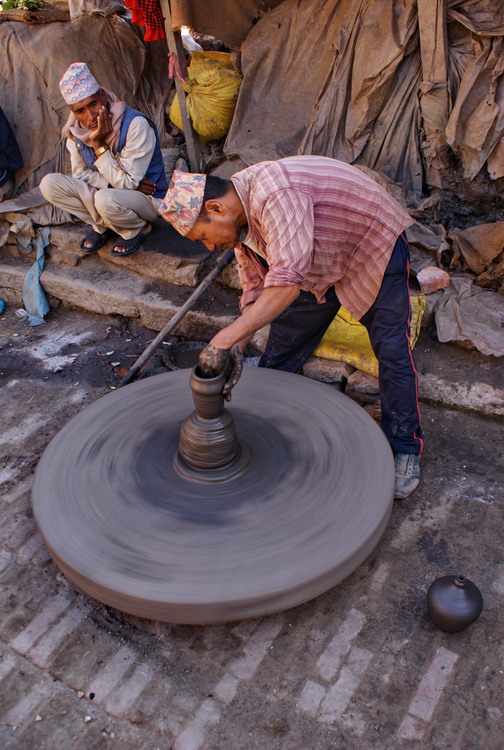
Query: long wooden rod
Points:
[176, 48]
[142, 359]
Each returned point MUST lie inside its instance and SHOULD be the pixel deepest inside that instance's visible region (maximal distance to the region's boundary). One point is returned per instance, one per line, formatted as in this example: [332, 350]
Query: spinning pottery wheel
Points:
[228, 527]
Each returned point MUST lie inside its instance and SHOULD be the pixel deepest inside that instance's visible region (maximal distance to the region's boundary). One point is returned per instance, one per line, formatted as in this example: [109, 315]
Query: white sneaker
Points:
[407, 470]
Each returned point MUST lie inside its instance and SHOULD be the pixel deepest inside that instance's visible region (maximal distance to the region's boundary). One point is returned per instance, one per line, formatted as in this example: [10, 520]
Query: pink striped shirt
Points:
[318, 222]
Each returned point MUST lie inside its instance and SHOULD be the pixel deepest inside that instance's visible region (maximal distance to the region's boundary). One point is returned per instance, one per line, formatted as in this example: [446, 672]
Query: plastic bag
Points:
[347, 340]
[212, 91]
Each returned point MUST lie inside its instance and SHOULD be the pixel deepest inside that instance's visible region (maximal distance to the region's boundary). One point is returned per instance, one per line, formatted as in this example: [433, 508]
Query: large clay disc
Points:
[130, 531]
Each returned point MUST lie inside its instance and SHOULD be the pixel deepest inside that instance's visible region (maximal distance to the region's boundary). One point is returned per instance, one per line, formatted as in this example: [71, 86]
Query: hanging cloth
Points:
[35, 302]
[147, 13]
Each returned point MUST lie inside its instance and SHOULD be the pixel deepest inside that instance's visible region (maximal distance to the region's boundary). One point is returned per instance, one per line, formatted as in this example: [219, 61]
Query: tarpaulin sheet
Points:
[481, 250]
[334, 77]
[86, 7]
[342, 79]
[465, 312]
[33, 61]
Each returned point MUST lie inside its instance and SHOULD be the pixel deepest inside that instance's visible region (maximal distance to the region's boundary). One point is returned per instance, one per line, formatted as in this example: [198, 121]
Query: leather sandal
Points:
[96, 239]
[131, 245]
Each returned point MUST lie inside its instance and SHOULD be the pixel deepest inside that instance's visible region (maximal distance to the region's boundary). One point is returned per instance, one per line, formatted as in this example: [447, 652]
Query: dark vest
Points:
[155, 170]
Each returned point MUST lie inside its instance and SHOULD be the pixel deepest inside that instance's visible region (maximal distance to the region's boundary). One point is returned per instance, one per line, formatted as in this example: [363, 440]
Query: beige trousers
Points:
[124, 211]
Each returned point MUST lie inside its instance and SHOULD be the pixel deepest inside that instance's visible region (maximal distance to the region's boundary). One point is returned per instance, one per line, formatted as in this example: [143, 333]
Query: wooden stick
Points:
[176, 48]
[142, 359]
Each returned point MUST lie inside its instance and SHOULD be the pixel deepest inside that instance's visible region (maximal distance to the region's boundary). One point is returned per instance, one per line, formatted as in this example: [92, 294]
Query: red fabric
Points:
[147, 13]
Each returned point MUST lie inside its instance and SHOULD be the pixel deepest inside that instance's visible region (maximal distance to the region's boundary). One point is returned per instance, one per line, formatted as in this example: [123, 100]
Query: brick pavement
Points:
[359, 667]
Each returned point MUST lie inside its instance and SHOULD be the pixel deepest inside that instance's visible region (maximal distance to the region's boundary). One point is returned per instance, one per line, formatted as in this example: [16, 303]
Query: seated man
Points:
[118, 174]
[310, 234]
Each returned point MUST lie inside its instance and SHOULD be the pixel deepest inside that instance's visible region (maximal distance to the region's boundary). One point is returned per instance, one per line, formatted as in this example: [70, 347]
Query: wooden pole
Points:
[147, 354]
[176, 48]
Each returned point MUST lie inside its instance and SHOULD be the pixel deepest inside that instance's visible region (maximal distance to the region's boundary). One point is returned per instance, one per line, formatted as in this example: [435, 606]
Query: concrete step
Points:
[165, 256]
[459, 378]
[99, 286]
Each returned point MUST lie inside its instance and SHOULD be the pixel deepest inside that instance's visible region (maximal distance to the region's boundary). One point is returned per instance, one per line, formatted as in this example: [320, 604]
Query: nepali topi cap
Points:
[183, 201]
[78, 83]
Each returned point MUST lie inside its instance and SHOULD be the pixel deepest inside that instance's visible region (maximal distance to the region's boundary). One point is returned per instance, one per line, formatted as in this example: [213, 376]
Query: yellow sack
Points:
[212, 91]
[346, 340]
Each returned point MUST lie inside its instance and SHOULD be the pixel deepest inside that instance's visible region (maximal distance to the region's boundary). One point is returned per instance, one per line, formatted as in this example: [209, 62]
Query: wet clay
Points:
[207, 437]
[308, 500]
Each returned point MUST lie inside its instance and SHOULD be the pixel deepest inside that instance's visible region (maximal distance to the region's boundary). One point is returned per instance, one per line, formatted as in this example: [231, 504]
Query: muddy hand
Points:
[233, 370]
[213, 361]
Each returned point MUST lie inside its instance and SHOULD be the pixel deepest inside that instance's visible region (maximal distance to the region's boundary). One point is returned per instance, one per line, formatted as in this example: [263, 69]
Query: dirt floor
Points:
[361, 666]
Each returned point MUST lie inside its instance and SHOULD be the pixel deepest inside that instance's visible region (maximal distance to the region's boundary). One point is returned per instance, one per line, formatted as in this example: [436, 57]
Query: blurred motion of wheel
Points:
[131, 531]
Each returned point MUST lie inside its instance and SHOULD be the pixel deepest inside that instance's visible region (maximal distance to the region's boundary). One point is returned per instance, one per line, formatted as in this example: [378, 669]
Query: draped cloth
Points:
[147, 13]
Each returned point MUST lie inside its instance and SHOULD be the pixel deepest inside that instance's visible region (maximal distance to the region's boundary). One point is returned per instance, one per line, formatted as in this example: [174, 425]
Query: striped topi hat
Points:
[78, 83]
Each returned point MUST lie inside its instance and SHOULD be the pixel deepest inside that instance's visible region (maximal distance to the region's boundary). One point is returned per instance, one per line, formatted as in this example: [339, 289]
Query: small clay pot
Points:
[454, 602]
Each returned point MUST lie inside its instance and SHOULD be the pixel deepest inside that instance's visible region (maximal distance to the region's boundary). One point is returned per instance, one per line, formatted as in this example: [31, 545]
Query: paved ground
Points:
[359, 667]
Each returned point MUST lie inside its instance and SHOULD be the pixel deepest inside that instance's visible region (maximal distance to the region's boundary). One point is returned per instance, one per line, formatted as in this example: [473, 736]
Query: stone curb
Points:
[179, 262]
[479, 397]
[116, 292]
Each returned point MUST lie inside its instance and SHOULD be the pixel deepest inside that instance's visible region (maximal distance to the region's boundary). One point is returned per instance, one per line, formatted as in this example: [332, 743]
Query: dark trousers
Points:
[297, 332]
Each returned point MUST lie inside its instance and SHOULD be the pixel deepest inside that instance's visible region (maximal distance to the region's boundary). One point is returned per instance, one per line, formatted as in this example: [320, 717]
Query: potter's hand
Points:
[213, 361]
[233, 371]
